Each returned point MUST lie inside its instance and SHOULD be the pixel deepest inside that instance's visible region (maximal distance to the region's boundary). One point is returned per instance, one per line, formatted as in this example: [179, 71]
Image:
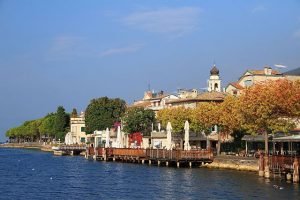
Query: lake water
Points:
[31, 174]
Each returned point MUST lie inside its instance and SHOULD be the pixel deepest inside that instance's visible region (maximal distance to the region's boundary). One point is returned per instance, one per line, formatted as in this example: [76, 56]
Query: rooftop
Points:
[262, 72]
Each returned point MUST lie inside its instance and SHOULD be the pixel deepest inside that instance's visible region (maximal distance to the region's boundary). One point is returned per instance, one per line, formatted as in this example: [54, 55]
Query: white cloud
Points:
[258, 8]
[122, 50]
[175, 22]
[297, 34]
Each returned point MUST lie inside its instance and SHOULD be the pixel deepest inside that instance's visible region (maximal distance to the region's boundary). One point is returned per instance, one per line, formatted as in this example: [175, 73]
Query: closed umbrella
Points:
[107, 138]
[119, 138]
[187, 136]
[169, 136]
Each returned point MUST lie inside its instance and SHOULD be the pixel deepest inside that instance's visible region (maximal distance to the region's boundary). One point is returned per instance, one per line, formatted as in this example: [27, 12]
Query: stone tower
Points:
[214, 82]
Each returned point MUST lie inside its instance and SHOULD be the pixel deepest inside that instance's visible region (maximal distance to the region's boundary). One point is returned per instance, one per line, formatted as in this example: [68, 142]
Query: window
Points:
[214, 128]
[82, 140]
[216, 86]
[248, 83]
[82, 129]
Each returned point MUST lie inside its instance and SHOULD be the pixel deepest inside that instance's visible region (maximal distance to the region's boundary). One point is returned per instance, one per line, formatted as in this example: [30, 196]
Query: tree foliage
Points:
[103, 112]
[61, 120]
[205, 116]
[46, 127]
[270, 107]
[138, 120]
[53, 125]
[177, 116]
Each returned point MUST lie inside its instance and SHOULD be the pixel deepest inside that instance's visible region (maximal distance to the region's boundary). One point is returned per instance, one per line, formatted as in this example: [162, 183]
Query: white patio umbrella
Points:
[169, 136]
[187, 136]
[107, 138]
[158, 126]
[119, 138]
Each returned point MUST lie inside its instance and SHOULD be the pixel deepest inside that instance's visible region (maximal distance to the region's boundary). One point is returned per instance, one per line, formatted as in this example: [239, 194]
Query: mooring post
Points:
[143, 161]
[95, 154]
[149, 162]
[178, 164]
[87, 153]
[167, 164]
[261, 165]
[190, 164]
[266, 165]
[296, 171]
[158, 163]
[114, 159]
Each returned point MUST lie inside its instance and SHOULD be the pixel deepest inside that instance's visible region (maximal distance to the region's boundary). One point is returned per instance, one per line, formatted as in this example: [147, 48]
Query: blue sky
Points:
[67, 52]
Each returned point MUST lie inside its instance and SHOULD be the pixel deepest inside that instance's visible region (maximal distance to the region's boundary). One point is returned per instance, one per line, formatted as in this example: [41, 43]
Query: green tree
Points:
[138, 120]
[61, 122]
[103, 112]
[46, 127]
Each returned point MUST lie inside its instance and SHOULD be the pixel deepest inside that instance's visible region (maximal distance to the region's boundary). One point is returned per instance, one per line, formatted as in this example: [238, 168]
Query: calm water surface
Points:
[30, 174]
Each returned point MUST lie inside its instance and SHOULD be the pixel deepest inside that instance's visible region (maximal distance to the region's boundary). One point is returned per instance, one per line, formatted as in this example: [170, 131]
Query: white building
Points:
[77, 134]
[214, 82]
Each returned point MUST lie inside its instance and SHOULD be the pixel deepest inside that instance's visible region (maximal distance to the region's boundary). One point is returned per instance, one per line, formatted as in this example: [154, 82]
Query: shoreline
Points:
[233, 163]
[47, 148]
[220, 162]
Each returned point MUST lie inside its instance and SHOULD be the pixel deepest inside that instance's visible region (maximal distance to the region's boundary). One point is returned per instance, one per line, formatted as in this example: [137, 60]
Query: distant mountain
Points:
[293, 72]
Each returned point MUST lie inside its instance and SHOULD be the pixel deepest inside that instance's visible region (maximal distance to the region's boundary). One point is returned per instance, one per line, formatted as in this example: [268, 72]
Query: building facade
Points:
[252, 77]
[77, 133]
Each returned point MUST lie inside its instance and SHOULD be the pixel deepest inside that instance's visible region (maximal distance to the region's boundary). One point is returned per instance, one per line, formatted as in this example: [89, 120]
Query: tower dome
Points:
[214, 71]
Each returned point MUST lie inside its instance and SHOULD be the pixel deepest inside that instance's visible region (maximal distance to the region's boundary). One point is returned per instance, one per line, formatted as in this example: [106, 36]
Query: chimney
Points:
[267, 70]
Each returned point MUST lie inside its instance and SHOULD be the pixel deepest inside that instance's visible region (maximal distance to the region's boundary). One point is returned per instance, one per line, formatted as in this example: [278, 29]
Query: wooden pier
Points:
[280, 165]
[159, 157]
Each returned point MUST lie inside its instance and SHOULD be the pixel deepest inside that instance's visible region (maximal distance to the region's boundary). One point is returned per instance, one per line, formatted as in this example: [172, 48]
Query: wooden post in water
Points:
[158, 163]
[296, 171]
[167, 164]
[266, 165]
[95, 153]
[178, 164]
[87, 153]
[261, 165]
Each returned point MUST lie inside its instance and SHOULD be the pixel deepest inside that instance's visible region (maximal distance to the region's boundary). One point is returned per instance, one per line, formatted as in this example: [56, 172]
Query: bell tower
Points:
[214, 82]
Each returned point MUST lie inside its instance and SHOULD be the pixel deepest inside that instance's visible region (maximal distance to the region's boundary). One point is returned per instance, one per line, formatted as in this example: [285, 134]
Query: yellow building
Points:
[251, 77]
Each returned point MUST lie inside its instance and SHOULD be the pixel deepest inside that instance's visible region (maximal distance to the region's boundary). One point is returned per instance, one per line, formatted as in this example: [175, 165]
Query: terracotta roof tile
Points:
[143, 104]
[236, 85]
[262, 72]
[206, 96]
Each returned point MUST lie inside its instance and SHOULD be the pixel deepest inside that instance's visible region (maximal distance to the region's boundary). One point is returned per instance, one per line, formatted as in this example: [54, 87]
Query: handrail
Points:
[162, 154]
